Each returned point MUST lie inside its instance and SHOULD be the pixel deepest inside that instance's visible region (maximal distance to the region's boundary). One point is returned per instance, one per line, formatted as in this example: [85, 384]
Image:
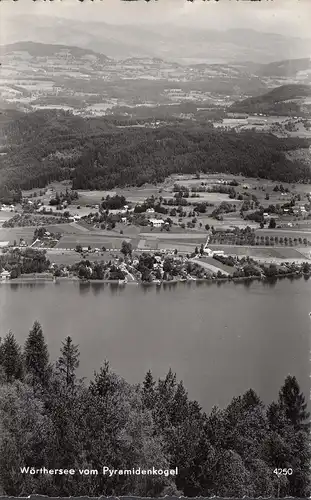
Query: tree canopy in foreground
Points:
[51, 418]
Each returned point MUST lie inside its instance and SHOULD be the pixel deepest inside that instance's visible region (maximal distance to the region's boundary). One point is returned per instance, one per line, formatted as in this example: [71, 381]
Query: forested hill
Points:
[36, 49]
[284, 100]
[285, 68]
[55, 145]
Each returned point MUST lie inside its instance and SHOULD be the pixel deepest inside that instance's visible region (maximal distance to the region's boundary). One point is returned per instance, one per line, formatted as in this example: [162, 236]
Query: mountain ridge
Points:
[166, 41]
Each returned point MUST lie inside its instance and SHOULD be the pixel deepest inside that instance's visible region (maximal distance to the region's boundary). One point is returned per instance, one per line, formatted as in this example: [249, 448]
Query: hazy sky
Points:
[292, 17]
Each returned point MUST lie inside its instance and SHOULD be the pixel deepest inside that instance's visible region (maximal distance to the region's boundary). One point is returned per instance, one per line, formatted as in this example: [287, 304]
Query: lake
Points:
[219, 339]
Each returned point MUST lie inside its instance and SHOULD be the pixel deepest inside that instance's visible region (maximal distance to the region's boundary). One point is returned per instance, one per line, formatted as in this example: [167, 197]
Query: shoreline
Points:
[73, 279]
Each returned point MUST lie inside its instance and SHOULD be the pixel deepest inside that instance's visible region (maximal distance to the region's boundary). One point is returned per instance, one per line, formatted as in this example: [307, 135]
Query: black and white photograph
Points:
[155, 248]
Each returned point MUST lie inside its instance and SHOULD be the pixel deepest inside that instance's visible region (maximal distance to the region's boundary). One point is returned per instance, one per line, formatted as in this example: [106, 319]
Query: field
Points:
[215, 263]
[288, 233]
[69, 258]
[264, 252]
[70, 228]
[16, 233]
[92, 197]
[305, 252]
[213, 198]
[4, 216]
[180, 247]
[190, 237]
[94, 241]
[136, 195]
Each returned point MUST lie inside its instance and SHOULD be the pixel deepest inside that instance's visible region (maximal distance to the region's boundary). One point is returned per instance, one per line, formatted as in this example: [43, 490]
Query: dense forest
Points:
[96, 154]
[51, 418]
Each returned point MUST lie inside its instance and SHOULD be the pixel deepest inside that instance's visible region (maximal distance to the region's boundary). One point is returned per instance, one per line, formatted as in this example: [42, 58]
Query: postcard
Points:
[155, 248]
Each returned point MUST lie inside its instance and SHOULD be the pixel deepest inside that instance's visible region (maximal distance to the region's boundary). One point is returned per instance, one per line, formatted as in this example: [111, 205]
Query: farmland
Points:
[189, 228]
[68, 258]
[10, 235]
[264, 252]
[94, 241]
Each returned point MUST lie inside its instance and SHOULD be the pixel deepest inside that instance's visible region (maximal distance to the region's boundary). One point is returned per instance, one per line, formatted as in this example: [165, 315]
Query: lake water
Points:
[219, 339]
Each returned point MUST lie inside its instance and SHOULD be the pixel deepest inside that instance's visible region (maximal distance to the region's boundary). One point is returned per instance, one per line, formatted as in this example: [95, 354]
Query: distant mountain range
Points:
[181, 44]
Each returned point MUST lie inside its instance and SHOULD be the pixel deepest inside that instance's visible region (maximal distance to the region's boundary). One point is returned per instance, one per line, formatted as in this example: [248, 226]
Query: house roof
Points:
[156, 221]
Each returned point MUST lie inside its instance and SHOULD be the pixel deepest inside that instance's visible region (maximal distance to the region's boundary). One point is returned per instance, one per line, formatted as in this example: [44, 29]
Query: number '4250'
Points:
[283, 472]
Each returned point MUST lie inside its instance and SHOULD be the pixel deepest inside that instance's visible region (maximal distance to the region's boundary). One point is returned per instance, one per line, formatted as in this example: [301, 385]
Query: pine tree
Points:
[292, 401]
[68, 362]
[11, 358]
[180, 405]
[287, 444]
[166, 390]
[251, 399]
[36, 354]
[167, 387]
[148, 391]
[102, 383]
[276, 418]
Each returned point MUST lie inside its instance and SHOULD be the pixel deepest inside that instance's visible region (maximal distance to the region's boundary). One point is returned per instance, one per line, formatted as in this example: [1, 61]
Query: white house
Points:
[156, 222]
[150, 211]
[5, 208]
[5, 275]
[211, 253]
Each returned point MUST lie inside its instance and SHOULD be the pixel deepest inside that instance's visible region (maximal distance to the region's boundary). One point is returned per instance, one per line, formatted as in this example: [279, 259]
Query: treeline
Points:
[9, 196]
[54, 145]
[51, 418]
[24, 261]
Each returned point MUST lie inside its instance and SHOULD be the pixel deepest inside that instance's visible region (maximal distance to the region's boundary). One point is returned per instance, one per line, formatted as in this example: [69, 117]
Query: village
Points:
[196, 227]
